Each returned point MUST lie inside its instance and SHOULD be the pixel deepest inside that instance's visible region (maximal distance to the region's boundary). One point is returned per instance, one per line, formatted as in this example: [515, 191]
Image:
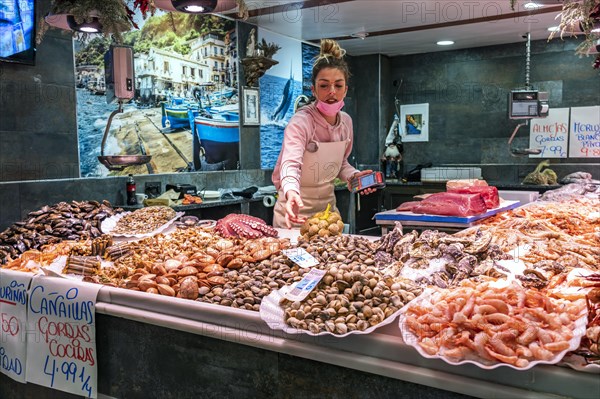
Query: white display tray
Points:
[109, 224]
[274, 315]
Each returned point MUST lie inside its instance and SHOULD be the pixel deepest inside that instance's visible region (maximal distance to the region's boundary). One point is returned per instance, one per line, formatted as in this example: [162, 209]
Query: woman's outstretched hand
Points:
[292, 209]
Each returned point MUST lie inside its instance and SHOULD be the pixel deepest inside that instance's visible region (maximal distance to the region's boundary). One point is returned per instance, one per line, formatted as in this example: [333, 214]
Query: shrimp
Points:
[467, 310]
[503, 358]
[497, 318]
[537, 300]
[484, 309]
[459, 318]
[430, 319]
[539, 352]
[479, 342]
[463, 339]
[528, 336]
[523, 351]
[557, 346]
[547, 336]
[446, 336]
[540, 315]
[497, 343]
[459, 353]
[500, 305]
[414, 326]
[429, 346]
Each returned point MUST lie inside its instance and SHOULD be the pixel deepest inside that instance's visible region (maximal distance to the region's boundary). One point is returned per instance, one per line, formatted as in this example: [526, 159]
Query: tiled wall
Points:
[467, 91]
[38, 127]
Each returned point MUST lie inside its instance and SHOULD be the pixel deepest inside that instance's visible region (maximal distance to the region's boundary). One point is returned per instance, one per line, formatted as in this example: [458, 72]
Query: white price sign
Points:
[62, 352]
[301, 290]
[300, 257]
[13, 322]
[550, 135]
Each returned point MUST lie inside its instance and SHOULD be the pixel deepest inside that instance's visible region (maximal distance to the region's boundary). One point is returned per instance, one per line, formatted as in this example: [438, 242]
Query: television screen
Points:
[17, 31]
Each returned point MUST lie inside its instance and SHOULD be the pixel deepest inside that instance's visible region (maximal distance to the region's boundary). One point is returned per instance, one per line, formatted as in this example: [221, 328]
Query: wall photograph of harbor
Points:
[185, 113]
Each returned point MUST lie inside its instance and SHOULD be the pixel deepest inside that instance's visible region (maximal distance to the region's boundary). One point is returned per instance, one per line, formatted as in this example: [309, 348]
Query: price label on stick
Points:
[305, 286]
[62, 351]
[300, 257]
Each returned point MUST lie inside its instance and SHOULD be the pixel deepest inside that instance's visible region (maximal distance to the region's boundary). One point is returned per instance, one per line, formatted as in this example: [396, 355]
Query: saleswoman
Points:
[316, 144]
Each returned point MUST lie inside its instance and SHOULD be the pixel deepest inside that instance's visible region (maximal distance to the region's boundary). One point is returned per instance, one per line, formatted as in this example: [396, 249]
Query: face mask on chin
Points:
[330, 109]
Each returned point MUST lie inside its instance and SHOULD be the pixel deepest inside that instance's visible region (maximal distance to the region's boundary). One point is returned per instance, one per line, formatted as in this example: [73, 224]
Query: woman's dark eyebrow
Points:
[335, 81]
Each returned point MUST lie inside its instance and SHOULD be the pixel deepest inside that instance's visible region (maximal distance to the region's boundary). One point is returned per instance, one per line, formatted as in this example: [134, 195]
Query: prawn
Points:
[498, 304]
[459, 353]
[557, 346]
[497, 318]
[528, 336]
[484, 309]
[539, 352]
[497, 343]
[503, 358]
[429, 346]
[479, 342]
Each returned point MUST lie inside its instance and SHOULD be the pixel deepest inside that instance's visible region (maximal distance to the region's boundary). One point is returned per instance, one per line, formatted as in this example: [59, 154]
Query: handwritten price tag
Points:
[550, 135]
[62, 352]
[300, 257]
[13, 322]
[305, 286]
[585, 132]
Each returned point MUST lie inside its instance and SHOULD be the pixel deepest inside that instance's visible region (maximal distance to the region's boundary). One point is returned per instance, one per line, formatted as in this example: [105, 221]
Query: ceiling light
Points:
[195, 6]
[532, 6]
[445, 43]
[67, 22]
[93, 26]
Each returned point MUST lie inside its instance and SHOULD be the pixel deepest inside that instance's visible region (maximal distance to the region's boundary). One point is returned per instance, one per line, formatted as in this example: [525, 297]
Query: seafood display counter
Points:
[381, 352]
[240, 309]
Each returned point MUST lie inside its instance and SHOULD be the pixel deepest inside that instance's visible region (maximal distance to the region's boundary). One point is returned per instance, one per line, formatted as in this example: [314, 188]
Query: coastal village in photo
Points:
[185, 88]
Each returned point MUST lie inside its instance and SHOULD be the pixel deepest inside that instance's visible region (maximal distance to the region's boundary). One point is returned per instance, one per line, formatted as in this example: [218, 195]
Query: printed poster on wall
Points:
[584, 140]
[185, 112]
[279, 87]
[61, 353]
[551, 134]
[13, 323]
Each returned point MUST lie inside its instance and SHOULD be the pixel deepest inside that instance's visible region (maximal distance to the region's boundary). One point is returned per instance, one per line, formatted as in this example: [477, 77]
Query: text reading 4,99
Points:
[69, 371]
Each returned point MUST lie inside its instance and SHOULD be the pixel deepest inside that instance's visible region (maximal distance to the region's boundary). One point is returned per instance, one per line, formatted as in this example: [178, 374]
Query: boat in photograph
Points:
[175, 113]
[218, 131]
[222, 96]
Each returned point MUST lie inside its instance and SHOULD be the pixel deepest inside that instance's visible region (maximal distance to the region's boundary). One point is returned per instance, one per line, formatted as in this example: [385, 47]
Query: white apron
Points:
[319, 170]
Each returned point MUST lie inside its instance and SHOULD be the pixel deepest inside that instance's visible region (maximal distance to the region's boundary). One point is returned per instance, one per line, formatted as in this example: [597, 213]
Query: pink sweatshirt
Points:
[305, 126]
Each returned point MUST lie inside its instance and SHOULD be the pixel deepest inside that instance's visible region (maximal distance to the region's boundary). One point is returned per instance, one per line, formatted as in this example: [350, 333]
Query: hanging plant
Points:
[114, 16]
[578, 17]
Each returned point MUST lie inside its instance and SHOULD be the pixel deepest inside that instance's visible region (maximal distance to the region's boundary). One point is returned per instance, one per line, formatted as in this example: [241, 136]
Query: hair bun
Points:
[331, 48]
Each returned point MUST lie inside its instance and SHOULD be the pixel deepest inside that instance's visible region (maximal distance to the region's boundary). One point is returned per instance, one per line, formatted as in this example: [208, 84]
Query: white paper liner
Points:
[274, 315]
[578, 363]
[108, 225]
[412, 340]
